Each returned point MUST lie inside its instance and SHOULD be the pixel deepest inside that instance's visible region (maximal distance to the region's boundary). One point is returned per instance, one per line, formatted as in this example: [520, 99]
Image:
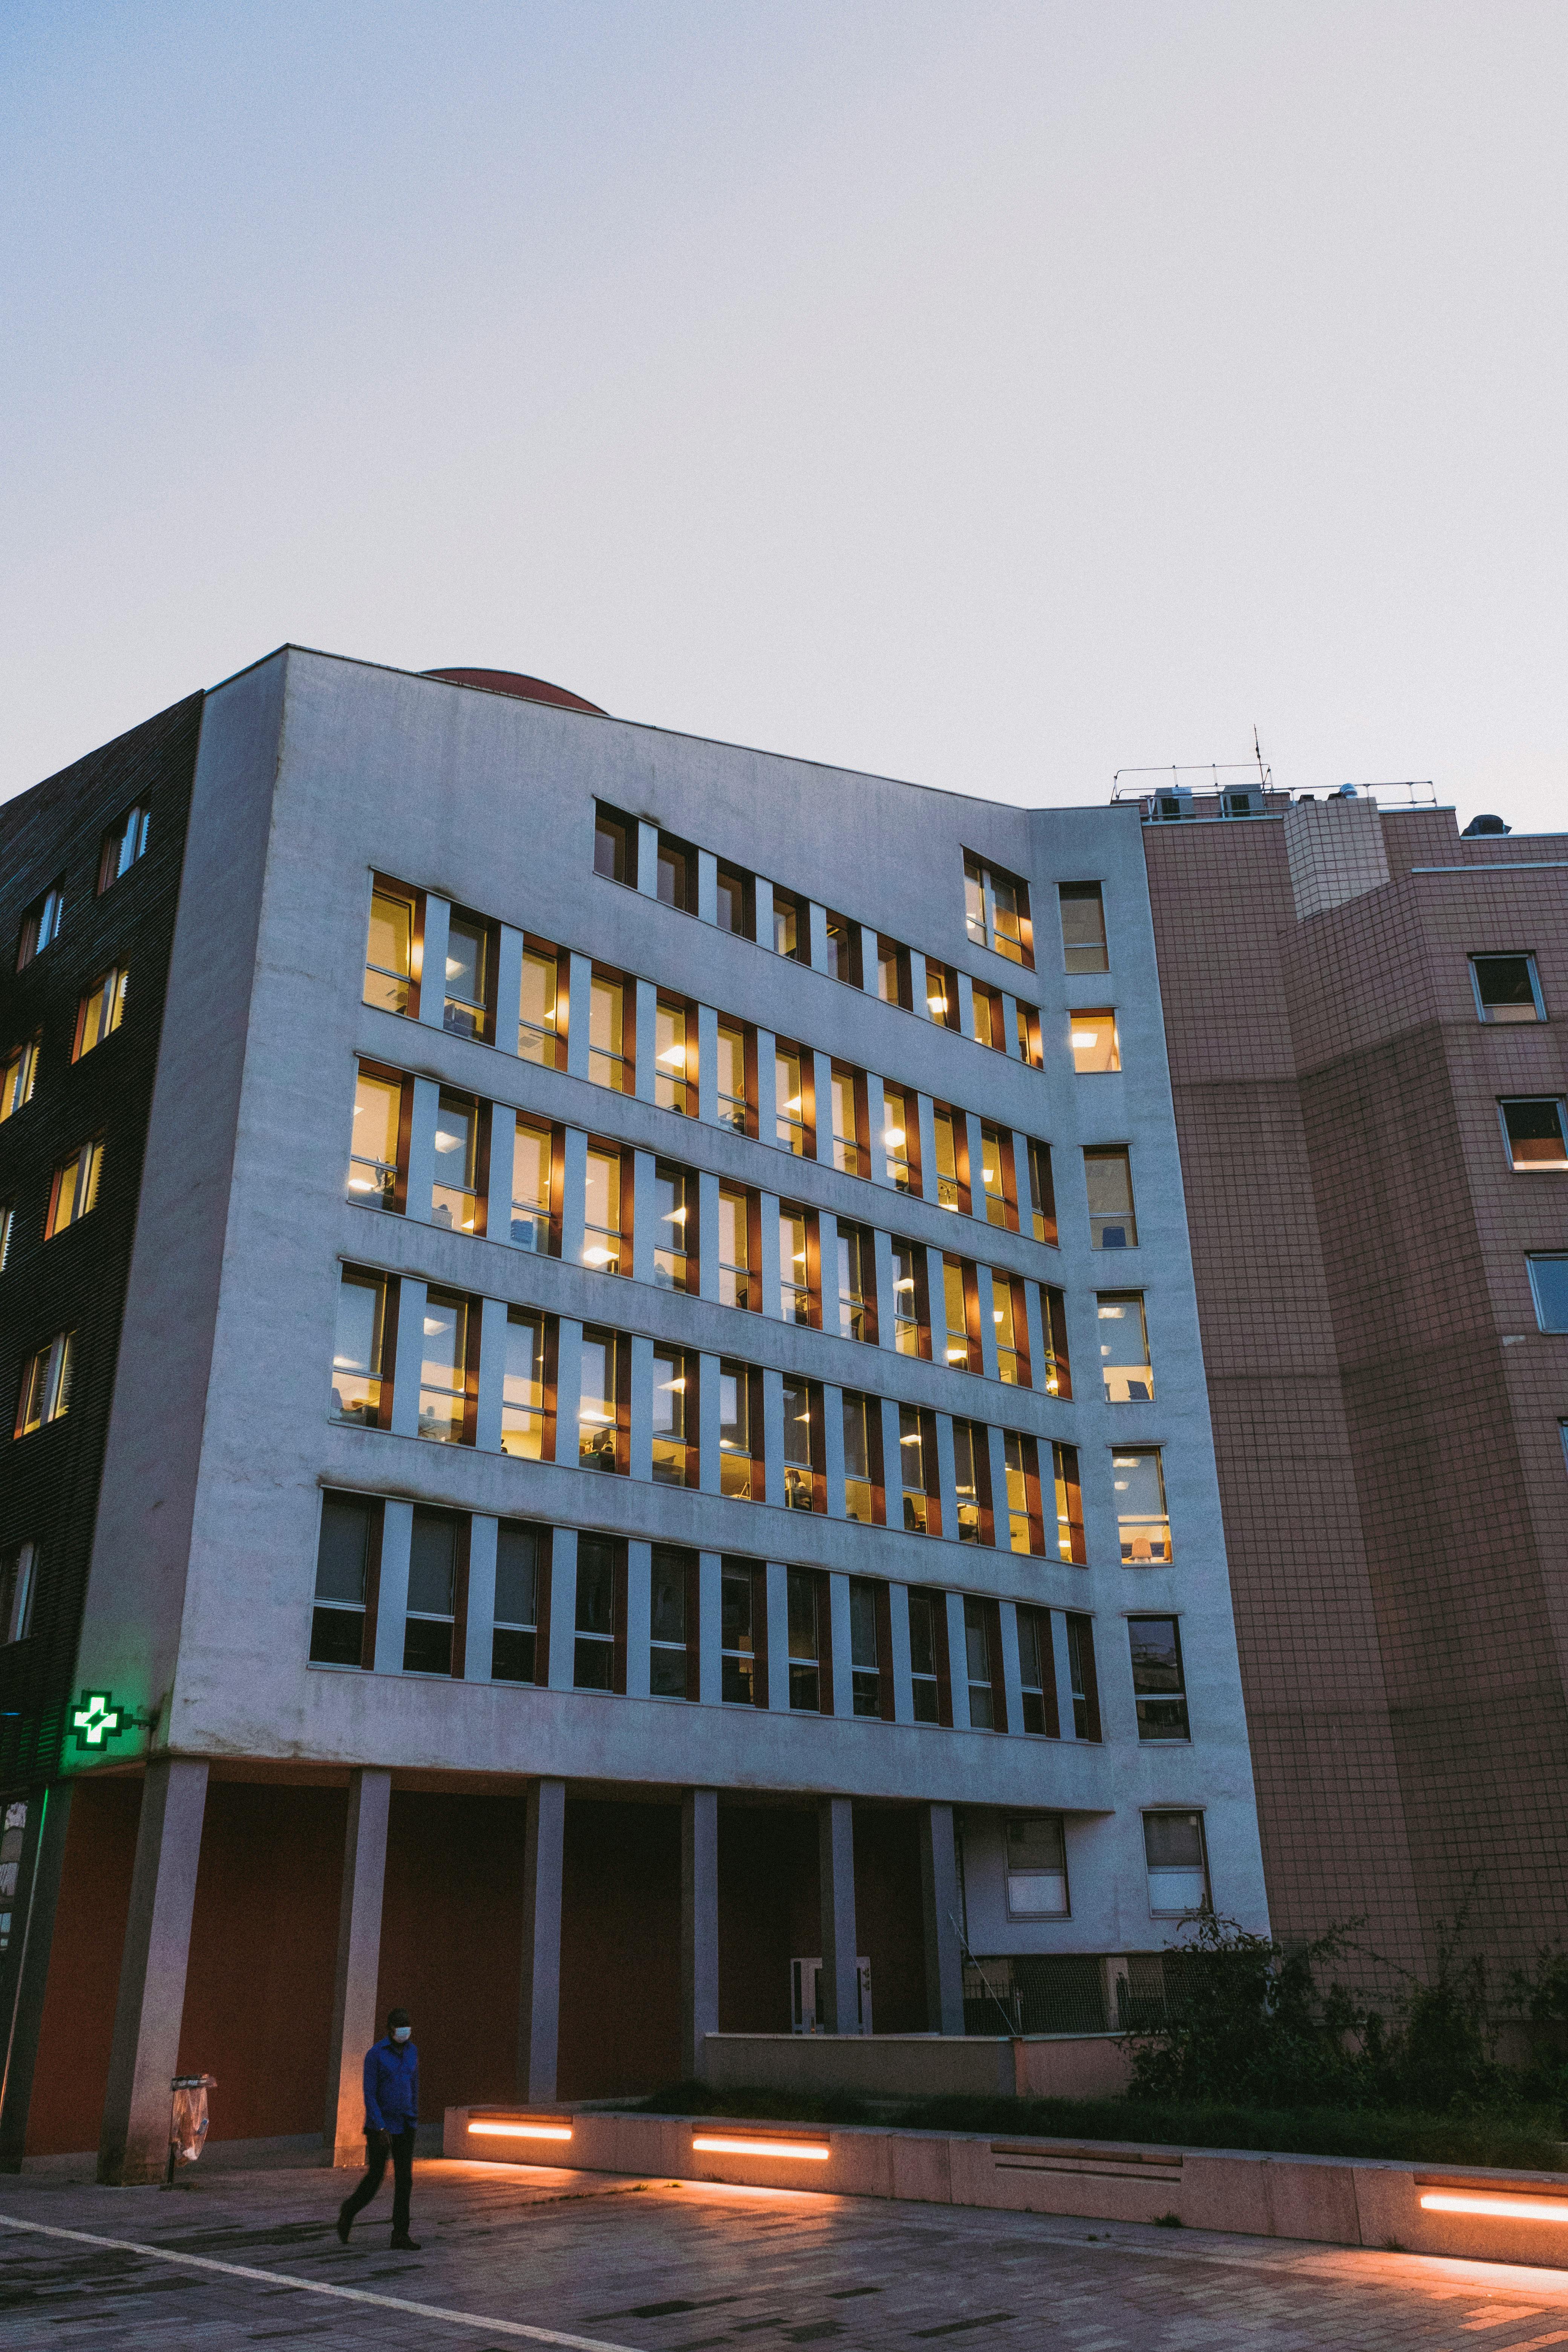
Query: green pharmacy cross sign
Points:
[97, 1719]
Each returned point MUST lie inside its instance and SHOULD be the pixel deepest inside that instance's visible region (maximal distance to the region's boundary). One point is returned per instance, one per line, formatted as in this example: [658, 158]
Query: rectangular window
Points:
[395, 924]
[19, 1575]
[600, 1613]
[455, 1204]
[951, 1130]
[848, 1093]
[1083, 926]
[1037, 1673]
[1036, 1868]
[738, 1281]
[740, 1432]
[598, 1410]
[675, 1056]
[911, 1311]
[378, 1149]
[737, 909]
[672, 1624]
[514, 1638]
[345, 1550]
[928, 1657]
[856, 1285]
[527, 1419]
[674, 1416]
[996, 911]
[615, 846]
[893, 980]
[941, 994]
[19, 1076]
[742, 1615]
[972, 1477]
[446, 1383]
[901, 1139]
[1124, 1347]
[1083, 1678]
[101, 1011]
[792, 927]
[532, 1185]
[73, 1190]
[1070, 1503]
[1057, 1381]
[1507, 988]
[41, 924]
[470, 969]
[1549, 1286]
[1108, 1173]
[604, 1240]
[797, 1265]
[985, 1715]
[961, 1315]
[917, 1470]
[1095, 1044]
[802, 1445]
[1026, 1526]
[1031, 1045]
[1141, 1517]
[990, 1025]
[1177, 1863]
[803, 1603]
[124, 843]
[1042, 1194]
[866, 1602]
[1158, 1683]
[610, 1060]
[793, 1116]
[46, 1385]
[360, 1350]
[7, 1219]
[862, 1458]
[541, 1029]
[843, 944]
[674, 1226]
[432, 1572]
[1535, 1131]
[676, 883]
[996, 1177]
[736, 1078]
[1010, 1321]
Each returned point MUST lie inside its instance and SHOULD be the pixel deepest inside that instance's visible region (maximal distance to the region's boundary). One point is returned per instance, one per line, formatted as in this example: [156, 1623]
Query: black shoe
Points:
[405, 2245]
[345, 2222]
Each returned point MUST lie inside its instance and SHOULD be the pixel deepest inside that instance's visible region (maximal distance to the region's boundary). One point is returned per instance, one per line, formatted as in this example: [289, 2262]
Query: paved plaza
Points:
[513, 2256]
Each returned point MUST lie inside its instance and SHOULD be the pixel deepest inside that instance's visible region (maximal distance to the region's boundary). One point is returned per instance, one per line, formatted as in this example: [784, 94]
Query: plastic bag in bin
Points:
[188, 2117]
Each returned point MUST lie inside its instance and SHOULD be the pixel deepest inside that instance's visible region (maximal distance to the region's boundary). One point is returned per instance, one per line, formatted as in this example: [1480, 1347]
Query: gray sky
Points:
[991, 395]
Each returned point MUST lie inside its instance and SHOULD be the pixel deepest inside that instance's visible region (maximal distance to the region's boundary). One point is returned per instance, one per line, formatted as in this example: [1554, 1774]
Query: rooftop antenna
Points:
[1257, 754]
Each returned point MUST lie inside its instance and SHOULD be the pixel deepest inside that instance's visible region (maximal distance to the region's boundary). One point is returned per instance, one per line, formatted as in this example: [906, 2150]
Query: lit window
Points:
[911, 1334]
[609, 1063]
[358, 1349]
[1012, 1330]
[802, 1451]
[860, 1452]
[1036, 1868]
[676, 881]
[733, 1086]
[856, 1285]
[971, 1478]
[1026, 1531]
[1031, 1046]
[741, 1604]
[600, 1612]
[1108, 1173]
[1140, 1516]
[996, 911]
[46, 1385]
[539, 1009]
[900, 1139]
[514, 1640]
[389, 950]
[928, 1655]
[1174, 1853]
[429, 1623]
[1058, 1381]
[674, 1397]
[674, 1226]
[739, 1454]
[603, 1241]
[1549, 1285]
[74, 1190]
[1124, 1347]
[18, 1576]
[1159, 1686]
[990, 1027]
[736, 903]
[1042, 1194]
[1535, 1132]
[1081, 1677]
[893, 982]
[848, 1149]
[375, 1153]
[996, 1177]
[1095, 1045]
[1083, 926]
[675, 1057]
[1036, 1673]
[961, 1350]
[1070, 1503]
[527, 1429]
[977, 1649]
[598, 1410]
[7, 1219]
[1507, 988]
[797, 1302]
[737, 1284]
[615, 846]
[453, 1196]
[951, 1157]
[917, 1470]
[124, 843]
[792, 1119]
[532, 1163]
[941, 994]
[343, 1548]
[443, 1371]
[803, 1605]
[865, 1651]
[41, 924]
[672, 1611]
[101, 1011]
[19, 1076]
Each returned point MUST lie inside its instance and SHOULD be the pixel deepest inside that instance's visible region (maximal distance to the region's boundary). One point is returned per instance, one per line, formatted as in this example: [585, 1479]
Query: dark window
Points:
[1174, 1852]
[792, 927]
[593, 1657]
[802, 1597]
[432, 1593]
[1036, 1673]
[343, 1570]
[672, 1624]
[615, 846]
[677, 879]
[741, 1606]
[1507, 988]
[1535, 1131]
[843, 939]
[737, 903]
[41, 923]
[1082, 1678]
[864, 1653]
[514, 1641]
[1157, 1679]
[978, 1663]
[928, 1655]
[1036, 1868]
[19, 1579]
[124, 843]
[1083, 926]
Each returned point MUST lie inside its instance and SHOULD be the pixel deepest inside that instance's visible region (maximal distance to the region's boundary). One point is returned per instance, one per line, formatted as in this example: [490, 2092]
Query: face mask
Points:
[401, 2032]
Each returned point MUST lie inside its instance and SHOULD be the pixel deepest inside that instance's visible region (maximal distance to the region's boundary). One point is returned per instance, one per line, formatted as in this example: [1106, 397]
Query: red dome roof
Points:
[512, 681]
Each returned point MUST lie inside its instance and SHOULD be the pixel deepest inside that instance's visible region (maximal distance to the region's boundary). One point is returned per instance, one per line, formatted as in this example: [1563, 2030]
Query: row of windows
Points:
[98, 1014]
[124, 842]
[957, 1662]
[537, 1411]
[73, 1193]
[1175, 1858]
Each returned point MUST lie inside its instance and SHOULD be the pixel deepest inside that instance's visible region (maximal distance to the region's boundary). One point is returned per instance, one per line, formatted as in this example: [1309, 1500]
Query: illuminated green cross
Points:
[95, 1719]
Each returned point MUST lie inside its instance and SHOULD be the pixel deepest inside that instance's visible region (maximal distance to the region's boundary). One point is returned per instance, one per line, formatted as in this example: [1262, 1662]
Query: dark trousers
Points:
[378, 2146]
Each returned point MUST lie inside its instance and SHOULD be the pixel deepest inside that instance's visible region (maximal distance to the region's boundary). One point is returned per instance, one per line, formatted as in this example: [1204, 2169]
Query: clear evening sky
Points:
[991, 396]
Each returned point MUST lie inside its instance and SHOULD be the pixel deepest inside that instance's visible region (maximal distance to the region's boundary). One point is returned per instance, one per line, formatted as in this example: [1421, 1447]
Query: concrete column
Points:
[773, 1436]
[939, 1909]
[876, 1122]
[480, 1642]
[839, 1645]
[499, 1189]
[699, 1925]
[770, 1273]
[145, 2049]
[1012, 1670]
[1063, 1672]
[641, 1432]
[1036, 1321]
[817, 918]
[647, 859]
[646, 1235]
[946, 1478]
[509, 988]
[422, 1147]
[926, 1113]
[1010, 1026]
[639, 1605]
[821, 1084]
[882, 1257]
[917, 987]
[827, 1258]
[957, 1660]
[903, 1671]
[563, 1607]
[833, 1441]
[708, 1630]
[836, 1871]
[985, 1293]
[778, 1637]
[410, 1358]
[762, 903]
[539, 2006]
[965, 1004]
[49, 1819]
[579, 984]
[433, 970]
[707, 887]
[1001, 1525]
[767, 1082]
[708, 1423]
[868, 935]
[708, 1064]
[707, 1230]
[573, 1183]
[643, 1009]
[392, 1590]
[492, 1374]
[354, 2023]
[976, 1168]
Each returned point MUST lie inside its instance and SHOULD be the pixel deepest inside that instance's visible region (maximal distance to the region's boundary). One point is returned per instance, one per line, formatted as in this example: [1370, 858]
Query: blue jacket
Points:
[391, 2085]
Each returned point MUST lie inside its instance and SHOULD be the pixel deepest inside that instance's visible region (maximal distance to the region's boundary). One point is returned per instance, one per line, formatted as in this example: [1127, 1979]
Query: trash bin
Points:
[188, 2117]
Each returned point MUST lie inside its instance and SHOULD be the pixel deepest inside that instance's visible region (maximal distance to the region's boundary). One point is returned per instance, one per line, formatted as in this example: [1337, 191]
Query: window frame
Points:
[1541, 1167]
[134, 825]
[86, 1163]
[111, 984]
[1492, 1020]
[983, 874]
[376, 1413]
[546, 1328]
[538, 1631]
[48, 1376]
[685, 1417]
[1152, 1697]
[608, 823]
[41, 923]
[386, 886]
[329, 1606]
[1021, 1910]
[24, 1057]
[551, 1034]
[1532, 1258]
[1099, 951]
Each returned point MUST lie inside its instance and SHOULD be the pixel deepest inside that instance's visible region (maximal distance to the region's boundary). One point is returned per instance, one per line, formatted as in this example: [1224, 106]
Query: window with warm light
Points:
[675, 1056]
[996, 1177]
[893, 977]
[1159, 1685]
[395, 923]
[941, 994]
[951, 1132]
[847, 1089]
[676, 883]
[600, 1612]
[465, 1010]
[455, 1203]
[527, 1425]
[672, 1624]
[1507, 988]
[359, 1349]
[1010, 1323]
[73, 1189]
[533, 1178]
[798, 1299]
[541, 1034]
[1177, 1863]
[350, 1531]
[1083, 926]
[46, 1384]
[1036, 1867]
[990, 1024]
[603, 1243]
[1082, 1680]
[444, 1369]
[856, 1285]
[972, 1479]
[514, 1636]
[734, 1086]
[1095, 1044]
[1031, 1045]
[996, 911]
[1058, 1381]
[866, 1602]
[1124, 1347]
[803, 1601]
[740, 1432]
[1108, 1174]
[917, 1470]
[437, 1541]
[19, 1076]
[900, 1139]
[742, 1613]
[928, 1656]
[1142, 1523]
[1042, 1194]
[598, 1410]
[792, 927]
[1026, 1526]
[738, 1285]
[615, 846]
[911, 1319]
[792, 1125]
[1037, 1673]
[123, 845]
[1069, 1504]
[802, 1444]
[960, 1297]
[674, 1226]
[609, 1057]
[8, 1223]
[1535, 1131]
[674, 1415]
[41, 924]
[101, 1011]
[377, 1146]
[862, 1478]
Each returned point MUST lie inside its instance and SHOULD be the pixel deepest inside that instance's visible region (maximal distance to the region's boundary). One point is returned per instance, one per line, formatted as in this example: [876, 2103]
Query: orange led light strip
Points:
[1501, 2209]
[711, 2145]
[523, 2131]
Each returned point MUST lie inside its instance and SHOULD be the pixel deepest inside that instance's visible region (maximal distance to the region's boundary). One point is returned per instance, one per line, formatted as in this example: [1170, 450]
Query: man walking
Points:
[391, 2113]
